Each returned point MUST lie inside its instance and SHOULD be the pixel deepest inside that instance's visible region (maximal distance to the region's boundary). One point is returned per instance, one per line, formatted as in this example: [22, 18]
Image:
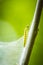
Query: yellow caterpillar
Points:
[26, 34]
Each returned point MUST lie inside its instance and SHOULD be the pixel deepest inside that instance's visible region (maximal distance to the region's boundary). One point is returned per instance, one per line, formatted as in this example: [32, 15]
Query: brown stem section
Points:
[32, 34]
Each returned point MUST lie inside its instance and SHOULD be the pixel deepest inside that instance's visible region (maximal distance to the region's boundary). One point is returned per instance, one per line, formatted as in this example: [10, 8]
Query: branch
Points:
[31, 35]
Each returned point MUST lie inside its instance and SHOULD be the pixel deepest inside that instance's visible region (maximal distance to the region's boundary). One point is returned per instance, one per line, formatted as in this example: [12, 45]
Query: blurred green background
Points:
[14, 16]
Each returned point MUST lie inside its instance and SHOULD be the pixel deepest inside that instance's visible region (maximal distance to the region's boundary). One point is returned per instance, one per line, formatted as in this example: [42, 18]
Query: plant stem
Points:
[32, 34]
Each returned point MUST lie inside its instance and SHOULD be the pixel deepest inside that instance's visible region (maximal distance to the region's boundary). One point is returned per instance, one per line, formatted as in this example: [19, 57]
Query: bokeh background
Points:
[14, 16]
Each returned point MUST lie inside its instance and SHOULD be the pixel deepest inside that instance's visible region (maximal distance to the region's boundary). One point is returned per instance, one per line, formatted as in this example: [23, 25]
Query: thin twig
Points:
[32, 34]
